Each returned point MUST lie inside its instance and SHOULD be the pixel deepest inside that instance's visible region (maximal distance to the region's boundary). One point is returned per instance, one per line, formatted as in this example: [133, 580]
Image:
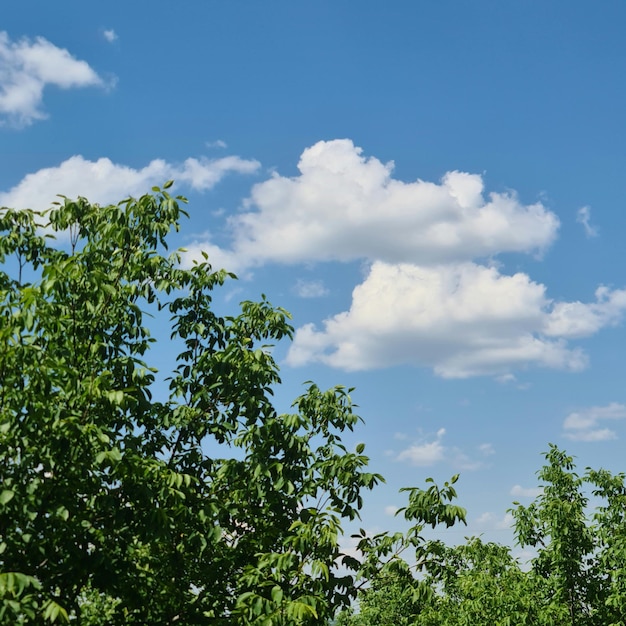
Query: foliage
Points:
[203, 507]
[577, 578]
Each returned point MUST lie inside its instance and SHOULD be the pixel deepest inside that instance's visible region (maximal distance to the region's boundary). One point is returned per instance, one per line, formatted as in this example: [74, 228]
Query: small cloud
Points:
[486, 449]
[598, 434]
[400, 436]
[505, 378]
[310, 288]
[525, 492]
[463, 462]
[583, 216]
[505, 522]
[232, 293]
[489, 521]
[27, 67]
[583, 425]
[425, 453]
[391, 510]
[110, 35]
[218, 143]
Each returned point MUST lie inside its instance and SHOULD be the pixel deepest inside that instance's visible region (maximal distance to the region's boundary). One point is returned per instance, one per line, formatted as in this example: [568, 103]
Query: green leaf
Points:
[6, 496]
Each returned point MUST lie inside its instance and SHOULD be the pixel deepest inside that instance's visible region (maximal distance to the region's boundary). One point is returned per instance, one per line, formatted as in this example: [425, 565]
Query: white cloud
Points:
[218, 143]
[490, 521]
[462, 320]
[344, 206]
[583, 216]
[583, 425]
[486, 449]
[27, 67]
[104, 182]
[110, 35]
[434, 296]
[391, 510]
[425, 453]
[576, 319]
[525, 492]
[598, 434]
[310, 288]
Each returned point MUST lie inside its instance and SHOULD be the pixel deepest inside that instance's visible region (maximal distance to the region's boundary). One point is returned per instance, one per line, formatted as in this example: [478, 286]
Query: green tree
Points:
[577, 577]
[394, 587]
[581, 553]
[203, 507]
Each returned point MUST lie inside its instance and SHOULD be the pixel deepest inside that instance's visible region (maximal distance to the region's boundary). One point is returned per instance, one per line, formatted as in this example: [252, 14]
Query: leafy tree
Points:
[393, 588]
[577, 578]
[581, 553]
[556, 524]
[203, 507]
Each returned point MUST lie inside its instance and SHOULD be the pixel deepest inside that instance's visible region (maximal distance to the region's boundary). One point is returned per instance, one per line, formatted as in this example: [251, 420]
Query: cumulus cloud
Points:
[27, 67]
[584, 425]
[310, 288]
[460, 319]
[103, 181]
[345, 206]
[583, 216]
[433, 296]
[576, 319]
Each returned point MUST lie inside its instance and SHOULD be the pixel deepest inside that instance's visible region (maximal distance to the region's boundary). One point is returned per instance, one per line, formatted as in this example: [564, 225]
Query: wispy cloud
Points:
[218, 143]
[583, 216]
[310, 288]
[486, 449]
[584, 425]
[27, 67]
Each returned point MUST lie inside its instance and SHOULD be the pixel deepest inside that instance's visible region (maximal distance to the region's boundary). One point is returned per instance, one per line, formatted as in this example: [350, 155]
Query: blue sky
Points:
[434, 190]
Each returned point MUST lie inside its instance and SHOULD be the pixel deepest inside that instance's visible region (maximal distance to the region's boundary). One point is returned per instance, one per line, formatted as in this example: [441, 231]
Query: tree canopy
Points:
[113, 501]
[575, 578]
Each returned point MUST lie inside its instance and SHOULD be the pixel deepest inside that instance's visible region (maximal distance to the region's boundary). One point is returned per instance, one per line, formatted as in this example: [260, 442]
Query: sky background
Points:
[435, 191]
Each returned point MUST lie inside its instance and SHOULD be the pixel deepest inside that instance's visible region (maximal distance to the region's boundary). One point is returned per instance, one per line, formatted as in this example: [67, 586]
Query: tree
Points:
[204, 506]
[556, 524]
[581, 554]
[576, 578]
